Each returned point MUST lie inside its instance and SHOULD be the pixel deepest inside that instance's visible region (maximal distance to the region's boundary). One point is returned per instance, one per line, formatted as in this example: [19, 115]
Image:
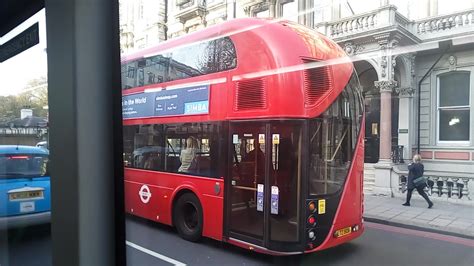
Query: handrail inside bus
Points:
[316, 132]
[339, 146]
[171, 146]
[236, 159]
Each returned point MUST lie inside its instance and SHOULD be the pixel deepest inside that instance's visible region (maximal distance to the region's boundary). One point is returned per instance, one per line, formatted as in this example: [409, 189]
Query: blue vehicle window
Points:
[23, 165]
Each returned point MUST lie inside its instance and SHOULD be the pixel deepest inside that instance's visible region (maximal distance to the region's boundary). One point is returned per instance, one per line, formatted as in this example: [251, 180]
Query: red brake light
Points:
[311, 220]
[18, 157]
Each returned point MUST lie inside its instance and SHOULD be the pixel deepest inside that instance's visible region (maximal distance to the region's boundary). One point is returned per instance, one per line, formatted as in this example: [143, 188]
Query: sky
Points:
[30, 64]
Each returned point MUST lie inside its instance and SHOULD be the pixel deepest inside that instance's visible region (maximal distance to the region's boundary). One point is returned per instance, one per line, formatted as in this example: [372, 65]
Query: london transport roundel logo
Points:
[145, 194]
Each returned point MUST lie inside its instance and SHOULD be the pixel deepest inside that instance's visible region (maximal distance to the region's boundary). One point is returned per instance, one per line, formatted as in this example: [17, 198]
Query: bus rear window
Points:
[333, 139]
[23, 165]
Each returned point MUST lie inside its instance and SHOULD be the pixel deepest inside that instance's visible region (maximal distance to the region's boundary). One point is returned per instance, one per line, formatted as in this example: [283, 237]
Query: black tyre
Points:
[187, 217]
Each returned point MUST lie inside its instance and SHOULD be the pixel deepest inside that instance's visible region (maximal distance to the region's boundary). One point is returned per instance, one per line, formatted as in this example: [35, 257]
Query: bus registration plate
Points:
[26, 195]
[343, 232]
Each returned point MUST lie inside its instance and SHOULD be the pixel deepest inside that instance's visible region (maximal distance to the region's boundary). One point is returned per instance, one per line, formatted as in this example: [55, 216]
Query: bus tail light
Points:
[311, 235]
[311, 220]
[18, 157]
[312, 206]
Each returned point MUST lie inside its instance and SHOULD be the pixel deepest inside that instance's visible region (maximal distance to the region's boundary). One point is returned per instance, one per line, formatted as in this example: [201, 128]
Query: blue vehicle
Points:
[24, 186]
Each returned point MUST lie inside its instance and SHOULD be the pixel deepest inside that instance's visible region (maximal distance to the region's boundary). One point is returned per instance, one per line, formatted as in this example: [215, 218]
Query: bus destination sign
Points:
[182, 101]
[20, 43]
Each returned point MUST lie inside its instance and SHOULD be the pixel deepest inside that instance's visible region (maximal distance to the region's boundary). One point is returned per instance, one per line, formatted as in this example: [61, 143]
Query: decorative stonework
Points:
[410, 61]
[394, 64]
[385, 85]
[447, 187]
[252, 10]
[387, 42]
[383, 65]
[453, 62]
[395, 41]
[382, 40]
[352, 49]
[405, 92]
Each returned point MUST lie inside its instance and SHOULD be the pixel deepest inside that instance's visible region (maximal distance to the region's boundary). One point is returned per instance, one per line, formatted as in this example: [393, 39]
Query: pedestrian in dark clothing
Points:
[415, 170]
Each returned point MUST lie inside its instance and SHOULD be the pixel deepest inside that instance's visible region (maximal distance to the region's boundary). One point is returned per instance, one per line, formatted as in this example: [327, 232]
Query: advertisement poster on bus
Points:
[182, 101]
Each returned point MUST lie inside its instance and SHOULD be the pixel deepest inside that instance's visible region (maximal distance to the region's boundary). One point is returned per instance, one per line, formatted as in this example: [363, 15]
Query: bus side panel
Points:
[213, 216]
[210, 192]
[146, 197]
[163, 187]
[349, 212]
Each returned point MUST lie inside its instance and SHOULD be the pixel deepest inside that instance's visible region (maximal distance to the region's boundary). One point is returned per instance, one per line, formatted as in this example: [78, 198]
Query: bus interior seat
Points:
[203, 165]
[172, 163]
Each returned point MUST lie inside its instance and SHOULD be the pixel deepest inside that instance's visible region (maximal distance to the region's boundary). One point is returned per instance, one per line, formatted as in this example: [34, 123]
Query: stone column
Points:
[335, 9]
[301, 6]
[433, 7]
[309, 15]
[278, 9]
[386, 88]
[405, 114]
[383, 169]
[272, 9]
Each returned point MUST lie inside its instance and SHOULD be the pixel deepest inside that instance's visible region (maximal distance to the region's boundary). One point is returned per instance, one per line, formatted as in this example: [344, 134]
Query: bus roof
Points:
[276, 60]
[21, 149]
[228, 28]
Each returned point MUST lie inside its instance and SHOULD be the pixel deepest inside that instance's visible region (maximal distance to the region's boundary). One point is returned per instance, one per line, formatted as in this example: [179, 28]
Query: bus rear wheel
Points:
[187, 217]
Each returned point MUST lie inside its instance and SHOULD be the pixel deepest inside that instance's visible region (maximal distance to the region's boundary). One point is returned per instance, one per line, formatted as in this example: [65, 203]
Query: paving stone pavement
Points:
[444, 217]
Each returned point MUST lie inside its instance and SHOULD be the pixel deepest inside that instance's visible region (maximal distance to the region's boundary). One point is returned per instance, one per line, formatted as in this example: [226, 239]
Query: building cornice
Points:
[405, 92]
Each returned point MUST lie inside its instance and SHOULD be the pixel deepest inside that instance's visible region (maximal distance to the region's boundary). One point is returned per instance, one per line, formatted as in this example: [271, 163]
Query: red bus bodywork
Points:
[276, 53]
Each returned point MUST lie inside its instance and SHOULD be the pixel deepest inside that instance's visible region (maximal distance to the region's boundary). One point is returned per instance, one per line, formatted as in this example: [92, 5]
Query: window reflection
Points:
[175, 148]
[333, 137]
[454, 107]
[185, 62]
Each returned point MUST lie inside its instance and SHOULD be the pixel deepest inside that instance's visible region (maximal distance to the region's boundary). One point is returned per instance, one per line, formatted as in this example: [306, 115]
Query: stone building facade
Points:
[142, 23]
[414, 58]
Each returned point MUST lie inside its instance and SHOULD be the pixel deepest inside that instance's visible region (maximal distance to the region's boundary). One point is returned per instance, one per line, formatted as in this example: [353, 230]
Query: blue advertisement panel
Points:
[138, 105]
[189, 100]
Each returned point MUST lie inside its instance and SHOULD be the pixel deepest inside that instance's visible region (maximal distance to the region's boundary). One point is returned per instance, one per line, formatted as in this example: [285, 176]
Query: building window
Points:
[454, 107]
[131, 72]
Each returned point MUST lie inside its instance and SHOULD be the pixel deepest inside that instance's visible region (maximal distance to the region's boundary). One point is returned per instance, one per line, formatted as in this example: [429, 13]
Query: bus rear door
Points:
[263, 196]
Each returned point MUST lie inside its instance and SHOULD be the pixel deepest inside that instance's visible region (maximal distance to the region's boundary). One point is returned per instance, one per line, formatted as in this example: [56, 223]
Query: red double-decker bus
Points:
[248, 132]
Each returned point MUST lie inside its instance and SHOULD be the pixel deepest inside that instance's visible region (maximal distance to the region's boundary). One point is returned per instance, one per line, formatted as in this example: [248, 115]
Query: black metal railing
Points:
[397, 154]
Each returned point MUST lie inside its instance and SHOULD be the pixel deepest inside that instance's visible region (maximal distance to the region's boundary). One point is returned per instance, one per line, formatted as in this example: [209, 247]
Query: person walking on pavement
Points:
[415, 170]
